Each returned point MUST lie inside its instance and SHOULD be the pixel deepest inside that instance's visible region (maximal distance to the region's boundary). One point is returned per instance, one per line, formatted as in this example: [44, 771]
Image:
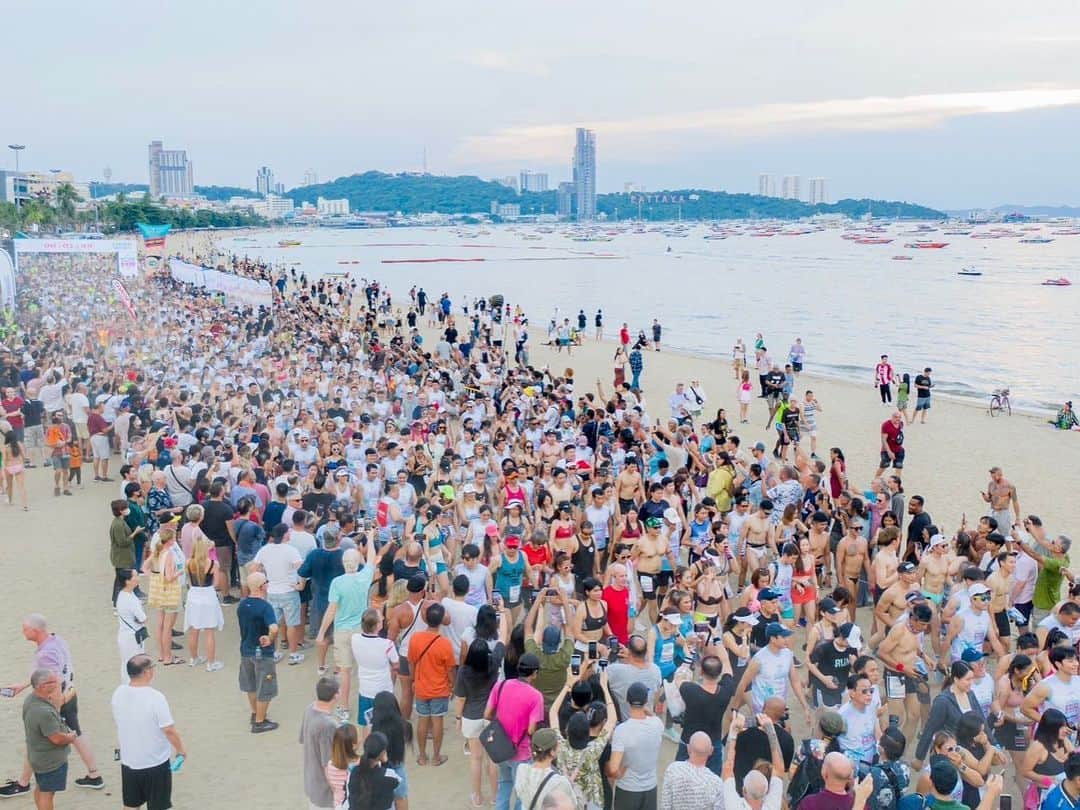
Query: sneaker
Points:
[194, 662]
[177, 634]
[265, 725]
[229, 600]
[68, 492]
[277, 657]
[295, 658]
[215, 666]
[176, 646]
[91, 782]
[342, 714]
[13, 788]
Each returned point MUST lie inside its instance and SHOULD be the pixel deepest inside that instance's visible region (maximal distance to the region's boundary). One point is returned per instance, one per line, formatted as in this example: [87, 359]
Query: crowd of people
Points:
[465, 549]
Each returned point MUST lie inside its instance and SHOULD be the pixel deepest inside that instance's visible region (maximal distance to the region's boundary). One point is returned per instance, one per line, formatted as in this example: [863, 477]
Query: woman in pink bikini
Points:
[14, 465]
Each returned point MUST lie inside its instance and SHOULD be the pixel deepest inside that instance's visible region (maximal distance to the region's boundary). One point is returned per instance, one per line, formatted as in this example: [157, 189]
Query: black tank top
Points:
[590, 622]
[583, 560]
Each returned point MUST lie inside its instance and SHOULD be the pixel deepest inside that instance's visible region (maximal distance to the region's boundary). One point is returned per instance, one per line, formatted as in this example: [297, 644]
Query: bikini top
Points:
[590, 622]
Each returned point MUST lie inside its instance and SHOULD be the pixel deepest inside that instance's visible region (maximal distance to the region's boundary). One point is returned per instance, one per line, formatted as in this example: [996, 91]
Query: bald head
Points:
[776, 708]
[700, 745]
[837, 771]
[755, 786]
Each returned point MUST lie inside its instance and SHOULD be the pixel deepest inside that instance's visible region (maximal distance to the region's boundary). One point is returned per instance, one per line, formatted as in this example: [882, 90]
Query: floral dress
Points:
[582, 767]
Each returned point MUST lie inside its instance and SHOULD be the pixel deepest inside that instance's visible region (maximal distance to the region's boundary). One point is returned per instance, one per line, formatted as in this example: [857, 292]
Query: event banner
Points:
[80, 253]
[153, 238]
[238, 289]
[124, 296]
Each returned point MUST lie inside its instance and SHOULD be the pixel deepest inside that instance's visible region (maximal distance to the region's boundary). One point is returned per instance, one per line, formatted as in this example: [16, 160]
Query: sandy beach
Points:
[56, 556]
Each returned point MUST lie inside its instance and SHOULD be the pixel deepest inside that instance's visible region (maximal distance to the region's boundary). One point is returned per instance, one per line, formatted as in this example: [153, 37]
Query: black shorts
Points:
[917, 686]
[69, 713]
[648, 584]
[1004, 626]
[149, 786]
[665, 578]
[626, 505]
[896, 463]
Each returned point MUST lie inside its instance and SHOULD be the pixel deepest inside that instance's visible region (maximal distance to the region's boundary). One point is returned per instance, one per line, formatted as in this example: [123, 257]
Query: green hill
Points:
[221, 193]
[427, 193]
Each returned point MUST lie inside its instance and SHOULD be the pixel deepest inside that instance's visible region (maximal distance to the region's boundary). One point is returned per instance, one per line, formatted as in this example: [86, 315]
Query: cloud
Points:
[551, 142]
[504, 62]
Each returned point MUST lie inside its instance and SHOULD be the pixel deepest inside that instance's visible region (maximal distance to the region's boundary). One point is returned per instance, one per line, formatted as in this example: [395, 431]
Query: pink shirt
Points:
[884, 372]
[518, 705]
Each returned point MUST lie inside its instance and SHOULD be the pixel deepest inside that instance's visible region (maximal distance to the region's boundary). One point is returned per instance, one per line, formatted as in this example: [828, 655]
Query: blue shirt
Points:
[250, 537]
[322, 567]
[272, 515]
[1058, 799]
[255, 617]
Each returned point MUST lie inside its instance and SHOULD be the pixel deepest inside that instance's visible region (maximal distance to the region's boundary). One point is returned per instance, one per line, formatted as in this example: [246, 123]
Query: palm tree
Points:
[66, 197]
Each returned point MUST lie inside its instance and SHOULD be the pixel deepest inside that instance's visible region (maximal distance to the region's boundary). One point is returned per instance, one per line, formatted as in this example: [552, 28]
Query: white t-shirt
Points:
[462, 616]
[303, 542]
[52, 397]
[374, 655]
[79, 407]
[280, 560]
[859, 742]
[141, 712]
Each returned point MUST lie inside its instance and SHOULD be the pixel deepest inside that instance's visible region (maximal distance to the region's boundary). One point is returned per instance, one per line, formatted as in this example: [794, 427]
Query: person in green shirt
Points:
[1052, 567]
[48, 739]
[136, 519]
[550, 646]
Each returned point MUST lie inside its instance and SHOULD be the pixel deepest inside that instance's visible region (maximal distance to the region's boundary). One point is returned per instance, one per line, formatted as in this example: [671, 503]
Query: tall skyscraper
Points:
[170, 172]
[533, 181]
[264, 181]
[310, 178]
[585, 174]
[818, 193]
[790, 188]
[564, 200]
[766, 185]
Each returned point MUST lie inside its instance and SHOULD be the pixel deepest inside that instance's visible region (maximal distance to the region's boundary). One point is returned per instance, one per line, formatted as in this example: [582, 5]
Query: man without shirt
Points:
[906, 664]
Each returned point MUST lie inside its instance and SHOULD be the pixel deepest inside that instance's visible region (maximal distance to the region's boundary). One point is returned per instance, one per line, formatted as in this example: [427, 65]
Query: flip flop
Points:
[439, 760]
[173, 662]
[421, 761]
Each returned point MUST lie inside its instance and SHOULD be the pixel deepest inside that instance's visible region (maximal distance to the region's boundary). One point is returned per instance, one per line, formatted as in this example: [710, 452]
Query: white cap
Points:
[670, 515]
[937, 540]
[977, 588]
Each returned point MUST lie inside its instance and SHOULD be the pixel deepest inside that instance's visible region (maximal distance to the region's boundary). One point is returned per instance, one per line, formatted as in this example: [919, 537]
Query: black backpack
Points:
[808, 779]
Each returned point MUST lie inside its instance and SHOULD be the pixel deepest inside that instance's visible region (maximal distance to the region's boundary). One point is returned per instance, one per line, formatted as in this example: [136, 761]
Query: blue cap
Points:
[774, 629]
[971, 655]
[768, 594]
[552, 640]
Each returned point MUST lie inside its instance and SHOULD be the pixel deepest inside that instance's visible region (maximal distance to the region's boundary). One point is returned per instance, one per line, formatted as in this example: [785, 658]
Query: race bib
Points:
[515, 593]
[894, 687]
[647, 584]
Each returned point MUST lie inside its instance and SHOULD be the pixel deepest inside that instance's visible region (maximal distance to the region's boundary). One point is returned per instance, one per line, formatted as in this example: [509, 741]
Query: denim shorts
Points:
[436, 707]
[286, 607]
[52, 781]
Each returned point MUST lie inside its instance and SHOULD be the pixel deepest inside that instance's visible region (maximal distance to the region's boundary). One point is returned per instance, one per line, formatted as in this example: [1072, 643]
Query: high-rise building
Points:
[332, 207]
[790, 188]
[818, 193]
[564, 200]
[766, 185]
[264, 181]
[170, 172]
[534, 181]
[279, 188]
[310, 178]
[585, 174]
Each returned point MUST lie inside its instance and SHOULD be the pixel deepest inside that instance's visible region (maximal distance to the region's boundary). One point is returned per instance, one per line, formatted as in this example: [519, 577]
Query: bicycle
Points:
[999, 402]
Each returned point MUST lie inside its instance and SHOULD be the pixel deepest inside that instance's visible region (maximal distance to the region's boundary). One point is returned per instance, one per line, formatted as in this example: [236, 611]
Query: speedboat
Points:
[1057, 282]
[901, 258]
[872, 240]
[969, 271]
[1036, 240]
[288, 243]
[925, 243]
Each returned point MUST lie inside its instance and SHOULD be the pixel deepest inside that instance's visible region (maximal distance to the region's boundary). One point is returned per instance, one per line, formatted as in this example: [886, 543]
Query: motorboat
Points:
[901, 258]
[1057, 282]
[289, 243]
[925, 243]
[1036, 240]
[872, 240]
[969, 271]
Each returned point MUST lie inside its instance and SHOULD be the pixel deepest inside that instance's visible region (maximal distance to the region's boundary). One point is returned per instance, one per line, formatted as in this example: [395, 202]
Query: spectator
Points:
[806, 767]
[519, 708]
[258, 637]
[633, 666]
[147, 737]
[432, 659]
[891, 776]
[48, 739]
[475, 678]
[706, 703]
[838, 772]
[550, 646]
[346, 602]
[321, 567]
[539, 778]
[758, 793]
[250, 537]
[1067, 794]
[754, 744]
[690, 784]
[635, 749]
[580, 749]
[343, 758]
[280, 561]
[317, 735]
[942, 786]
[386, 719]
[376, 664]
[373, 782]
[462, 614]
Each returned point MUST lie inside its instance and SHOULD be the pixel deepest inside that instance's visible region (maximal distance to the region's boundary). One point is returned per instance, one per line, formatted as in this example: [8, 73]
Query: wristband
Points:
[899, 667]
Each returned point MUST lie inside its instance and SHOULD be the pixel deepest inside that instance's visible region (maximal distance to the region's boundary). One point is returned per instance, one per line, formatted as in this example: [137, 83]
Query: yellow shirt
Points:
[719, 487]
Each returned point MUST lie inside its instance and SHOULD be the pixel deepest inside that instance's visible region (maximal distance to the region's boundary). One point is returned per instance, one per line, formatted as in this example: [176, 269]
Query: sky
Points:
[952, 104]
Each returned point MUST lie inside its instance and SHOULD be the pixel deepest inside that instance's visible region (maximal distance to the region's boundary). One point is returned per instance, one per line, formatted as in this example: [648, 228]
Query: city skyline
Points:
[849, 100]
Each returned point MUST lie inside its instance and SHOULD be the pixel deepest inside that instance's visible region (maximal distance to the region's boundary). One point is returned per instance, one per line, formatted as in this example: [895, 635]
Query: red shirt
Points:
[95, 423]
[13, 407]
[537, 555]
[618, 612]
[894, 435]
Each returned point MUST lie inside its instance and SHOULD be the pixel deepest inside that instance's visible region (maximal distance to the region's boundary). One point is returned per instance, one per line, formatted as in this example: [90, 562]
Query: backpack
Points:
[890, 781]
[808, 779]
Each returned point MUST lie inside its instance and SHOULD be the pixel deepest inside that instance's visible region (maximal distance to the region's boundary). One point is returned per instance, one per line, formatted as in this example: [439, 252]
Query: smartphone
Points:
[613, 645]
[603, 664]
[575, 663]
[496, 600]
[592, 651]
[7, 692]
[1005, 802]
[701, 628]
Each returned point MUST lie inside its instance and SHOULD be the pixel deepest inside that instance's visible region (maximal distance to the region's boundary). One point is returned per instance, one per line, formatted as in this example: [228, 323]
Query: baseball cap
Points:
[760, 446]
[977, 589]
[544, 739]
[670, 515]
[492, 530]
[653, 523]
[830, 606]
[832, 724]
[552, 640]
[971, 655]
[528, 664]
[672, 618]
[513, 541]
[847, 632]
[767, 594]
[637, 694]
[938, 540]
[907, 567]
[774, 629]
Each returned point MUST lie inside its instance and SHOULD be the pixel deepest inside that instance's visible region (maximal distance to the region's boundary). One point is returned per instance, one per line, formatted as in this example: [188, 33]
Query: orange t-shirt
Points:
[431, 670]
[76, 456]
